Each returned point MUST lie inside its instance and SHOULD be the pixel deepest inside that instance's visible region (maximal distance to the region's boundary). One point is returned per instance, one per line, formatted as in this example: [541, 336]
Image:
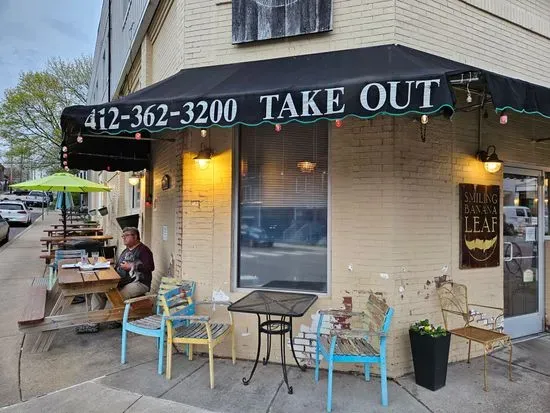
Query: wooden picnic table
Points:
[58, 240]
[72, 282]
[52, 232]
[80, 225]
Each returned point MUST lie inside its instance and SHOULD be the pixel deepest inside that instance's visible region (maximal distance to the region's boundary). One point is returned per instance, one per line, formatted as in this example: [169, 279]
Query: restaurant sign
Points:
[479, 226]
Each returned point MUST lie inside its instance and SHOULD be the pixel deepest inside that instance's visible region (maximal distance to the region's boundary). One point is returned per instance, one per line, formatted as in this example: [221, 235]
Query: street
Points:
[16, 229]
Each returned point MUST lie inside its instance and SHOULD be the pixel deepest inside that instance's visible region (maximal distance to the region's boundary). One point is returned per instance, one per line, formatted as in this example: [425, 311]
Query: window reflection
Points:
[283, 190]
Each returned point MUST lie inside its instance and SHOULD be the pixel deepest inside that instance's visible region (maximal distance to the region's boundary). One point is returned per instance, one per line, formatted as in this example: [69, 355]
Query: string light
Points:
[204, 133]
[503, 118]
[278, 127]
[79, 139]
[339, 123]
[138, 136]
[424, 119]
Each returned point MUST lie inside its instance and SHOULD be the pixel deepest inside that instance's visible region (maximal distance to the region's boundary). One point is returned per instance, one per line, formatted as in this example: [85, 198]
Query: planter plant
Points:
[430, 351]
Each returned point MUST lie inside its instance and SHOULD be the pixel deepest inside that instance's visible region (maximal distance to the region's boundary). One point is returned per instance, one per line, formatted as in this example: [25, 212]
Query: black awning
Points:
[393, 80]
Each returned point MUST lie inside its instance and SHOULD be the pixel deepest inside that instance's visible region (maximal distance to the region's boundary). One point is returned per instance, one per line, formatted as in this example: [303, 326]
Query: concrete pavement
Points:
[83, 372]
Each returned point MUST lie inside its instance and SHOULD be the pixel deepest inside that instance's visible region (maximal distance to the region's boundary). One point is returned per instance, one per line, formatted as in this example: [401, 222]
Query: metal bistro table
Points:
[278, 304]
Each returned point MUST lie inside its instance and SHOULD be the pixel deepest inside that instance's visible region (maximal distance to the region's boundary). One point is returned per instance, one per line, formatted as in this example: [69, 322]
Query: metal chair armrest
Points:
[485, 306]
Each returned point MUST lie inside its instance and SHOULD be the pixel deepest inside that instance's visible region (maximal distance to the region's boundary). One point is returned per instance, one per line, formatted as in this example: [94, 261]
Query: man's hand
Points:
[126, 266]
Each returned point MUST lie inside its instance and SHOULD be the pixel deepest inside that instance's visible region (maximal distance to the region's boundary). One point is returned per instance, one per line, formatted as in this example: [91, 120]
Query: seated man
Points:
[135, 266]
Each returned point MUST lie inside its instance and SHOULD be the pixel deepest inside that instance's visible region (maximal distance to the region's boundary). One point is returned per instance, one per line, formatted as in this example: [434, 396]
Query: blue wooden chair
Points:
[355, 345]
[154, 325]
[61, 255]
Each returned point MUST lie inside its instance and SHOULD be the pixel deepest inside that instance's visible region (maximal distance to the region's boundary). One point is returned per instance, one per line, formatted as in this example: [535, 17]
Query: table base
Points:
[274, 328]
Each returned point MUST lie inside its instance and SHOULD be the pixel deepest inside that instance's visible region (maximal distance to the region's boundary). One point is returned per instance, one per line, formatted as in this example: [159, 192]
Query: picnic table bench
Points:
[79, 225]
[52, 232]
[72, 282]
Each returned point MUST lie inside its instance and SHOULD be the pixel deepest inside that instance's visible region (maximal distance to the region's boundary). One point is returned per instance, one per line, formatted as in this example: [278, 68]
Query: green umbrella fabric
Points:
[63, 182]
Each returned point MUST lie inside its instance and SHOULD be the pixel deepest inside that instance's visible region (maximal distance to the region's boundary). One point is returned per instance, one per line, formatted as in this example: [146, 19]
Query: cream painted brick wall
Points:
[166, 160]
[165, 55]
[456, 30]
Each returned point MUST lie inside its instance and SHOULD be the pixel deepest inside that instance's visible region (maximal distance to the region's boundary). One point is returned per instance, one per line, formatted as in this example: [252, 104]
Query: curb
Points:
[7, 244]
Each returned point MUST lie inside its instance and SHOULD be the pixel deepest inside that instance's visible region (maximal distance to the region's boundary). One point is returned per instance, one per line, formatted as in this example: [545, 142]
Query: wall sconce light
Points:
[490, 160]
[135, 178]
[203, 157]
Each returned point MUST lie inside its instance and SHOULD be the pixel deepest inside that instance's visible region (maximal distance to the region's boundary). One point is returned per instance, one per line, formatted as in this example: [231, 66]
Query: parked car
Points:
[255, 237]
[32, 198]
[4, 231]
[518, 216]
[15, 212]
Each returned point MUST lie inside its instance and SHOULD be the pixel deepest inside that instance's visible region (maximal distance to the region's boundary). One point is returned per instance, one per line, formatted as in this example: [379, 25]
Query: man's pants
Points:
[128, 291]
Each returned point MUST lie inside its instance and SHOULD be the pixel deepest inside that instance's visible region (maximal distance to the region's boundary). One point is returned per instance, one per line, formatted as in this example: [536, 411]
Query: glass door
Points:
[523, 244]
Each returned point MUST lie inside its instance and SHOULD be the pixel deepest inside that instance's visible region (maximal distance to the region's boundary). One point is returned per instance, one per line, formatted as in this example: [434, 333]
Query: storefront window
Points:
[283, 199]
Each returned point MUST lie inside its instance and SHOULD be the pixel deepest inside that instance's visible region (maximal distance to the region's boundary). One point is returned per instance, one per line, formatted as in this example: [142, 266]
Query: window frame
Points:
[235, 224]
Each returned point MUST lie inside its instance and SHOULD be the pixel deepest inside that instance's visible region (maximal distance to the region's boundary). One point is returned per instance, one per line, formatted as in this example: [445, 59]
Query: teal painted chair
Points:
[61, 255]
[353, 343]
[154, 325]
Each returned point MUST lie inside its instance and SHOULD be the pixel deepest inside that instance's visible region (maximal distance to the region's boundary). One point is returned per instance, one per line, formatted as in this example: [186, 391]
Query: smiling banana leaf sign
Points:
[479, 226]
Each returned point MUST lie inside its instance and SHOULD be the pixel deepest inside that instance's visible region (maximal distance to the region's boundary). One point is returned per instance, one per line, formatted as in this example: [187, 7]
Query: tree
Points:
[30, 111]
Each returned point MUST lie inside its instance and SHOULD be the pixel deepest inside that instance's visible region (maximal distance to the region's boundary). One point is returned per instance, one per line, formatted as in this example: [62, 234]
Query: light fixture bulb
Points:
[133, 180]
[65, 156]
[66, 168]
[64, 149]
[204, 133]
[138, 136]
[469, 98]
[339, 123]
[202, 163]
[492, 167]
[278, 127]
[424, 119]
[79, 139]
[503, 119]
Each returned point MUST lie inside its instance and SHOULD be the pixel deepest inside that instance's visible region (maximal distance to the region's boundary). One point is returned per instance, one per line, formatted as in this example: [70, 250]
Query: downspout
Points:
[109, 55]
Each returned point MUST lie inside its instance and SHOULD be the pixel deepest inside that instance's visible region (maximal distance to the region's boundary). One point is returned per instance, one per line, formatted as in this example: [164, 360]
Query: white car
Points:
[4, 231]
[15, 212]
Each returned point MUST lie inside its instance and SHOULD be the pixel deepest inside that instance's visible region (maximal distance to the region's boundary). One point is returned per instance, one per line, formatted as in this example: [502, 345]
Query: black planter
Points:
[430, 358]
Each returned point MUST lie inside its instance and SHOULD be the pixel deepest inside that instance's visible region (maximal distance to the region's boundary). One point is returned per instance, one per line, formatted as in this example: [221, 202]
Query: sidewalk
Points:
[82, 373]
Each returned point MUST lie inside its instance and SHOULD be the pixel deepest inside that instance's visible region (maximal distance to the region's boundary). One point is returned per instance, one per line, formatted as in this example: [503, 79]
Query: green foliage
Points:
[424, 328]
[30, 111]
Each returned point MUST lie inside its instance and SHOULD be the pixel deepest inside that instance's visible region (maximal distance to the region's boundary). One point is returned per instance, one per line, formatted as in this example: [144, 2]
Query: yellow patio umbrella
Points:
[62, 182]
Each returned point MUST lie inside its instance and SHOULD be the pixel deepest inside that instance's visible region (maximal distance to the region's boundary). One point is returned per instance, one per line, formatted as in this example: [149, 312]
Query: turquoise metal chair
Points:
[61, 255]
[355, 345]
[154, 325]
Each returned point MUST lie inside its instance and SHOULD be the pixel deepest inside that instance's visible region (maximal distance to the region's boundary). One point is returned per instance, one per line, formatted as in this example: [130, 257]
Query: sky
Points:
[32, 31]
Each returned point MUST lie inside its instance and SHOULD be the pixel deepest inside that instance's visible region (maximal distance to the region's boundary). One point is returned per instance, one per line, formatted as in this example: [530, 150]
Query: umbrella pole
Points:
[64, 216]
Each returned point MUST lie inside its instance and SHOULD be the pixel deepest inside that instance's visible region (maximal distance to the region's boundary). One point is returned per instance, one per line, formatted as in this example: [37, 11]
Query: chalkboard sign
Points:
[271, 19]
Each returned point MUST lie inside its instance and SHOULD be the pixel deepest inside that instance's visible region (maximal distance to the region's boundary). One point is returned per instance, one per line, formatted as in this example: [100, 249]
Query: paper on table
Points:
[69, 266]
[102, 265]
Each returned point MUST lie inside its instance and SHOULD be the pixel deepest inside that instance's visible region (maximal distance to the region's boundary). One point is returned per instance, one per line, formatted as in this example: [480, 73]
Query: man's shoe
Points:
[87, 328]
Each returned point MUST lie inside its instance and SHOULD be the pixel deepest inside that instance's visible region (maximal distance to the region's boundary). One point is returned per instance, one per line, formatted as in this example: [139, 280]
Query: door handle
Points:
[511, 251]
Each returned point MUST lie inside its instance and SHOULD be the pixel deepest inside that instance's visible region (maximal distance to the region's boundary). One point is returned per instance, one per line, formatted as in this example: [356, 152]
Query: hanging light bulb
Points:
[64, 149]
[503, 118]
[338, 123]
[469, 96]
[204, 133]
[65, 163]
[278, 127]
[79, 139]
[66, 168]
[137, 136]
[65, 156]
[424, 119]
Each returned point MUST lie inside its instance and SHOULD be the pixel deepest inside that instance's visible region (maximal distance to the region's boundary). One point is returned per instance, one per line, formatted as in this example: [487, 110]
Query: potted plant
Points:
[430, 351]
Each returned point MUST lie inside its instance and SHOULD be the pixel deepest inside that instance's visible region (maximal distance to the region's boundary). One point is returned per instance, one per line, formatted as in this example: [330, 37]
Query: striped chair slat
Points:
[198, 331]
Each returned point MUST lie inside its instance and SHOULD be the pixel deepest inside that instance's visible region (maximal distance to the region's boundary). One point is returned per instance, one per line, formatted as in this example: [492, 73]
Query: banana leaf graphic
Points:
[480, 244]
